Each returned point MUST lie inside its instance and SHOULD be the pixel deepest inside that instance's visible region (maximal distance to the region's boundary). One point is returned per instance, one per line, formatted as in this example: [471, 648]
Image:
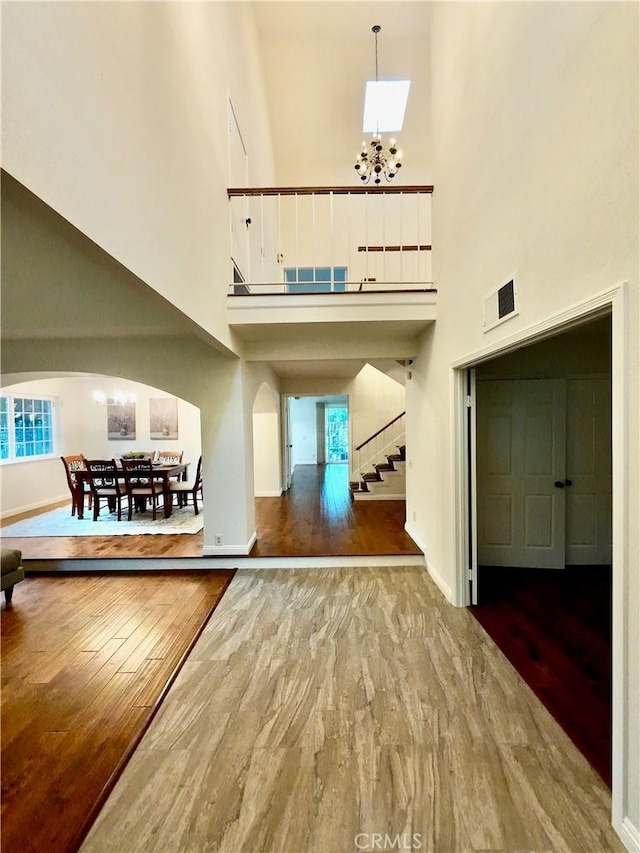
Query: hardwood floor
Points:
[85, 661]
[315, 517]
[555, 628]
[321, 706]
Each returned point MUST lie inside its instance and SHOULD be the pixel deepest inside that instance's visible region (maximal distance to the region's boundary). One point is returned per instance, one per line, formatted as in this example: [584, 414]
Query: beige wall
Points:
[140, 167]
[374, 400]
[267, 473]
[535, 143]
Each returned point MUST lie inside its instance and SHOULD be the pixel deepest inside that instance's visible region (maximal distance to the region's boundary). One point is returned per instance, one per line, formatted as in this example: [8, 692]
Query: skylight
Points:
[385, 102]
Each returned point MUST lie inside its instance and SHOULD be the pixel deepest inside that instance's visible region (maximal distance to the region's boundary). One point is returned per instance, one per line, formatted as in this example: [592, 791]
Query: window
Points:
[315, 279]
[337, 433]
[26, 427]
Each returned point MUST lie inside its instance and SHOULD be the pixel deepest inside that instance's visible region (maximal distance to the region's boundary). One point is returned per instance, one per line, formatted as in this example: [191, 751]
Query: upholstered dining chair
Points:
[78, 490]
[183, 490]
[171, 457]
[140, 484]
[105, 485]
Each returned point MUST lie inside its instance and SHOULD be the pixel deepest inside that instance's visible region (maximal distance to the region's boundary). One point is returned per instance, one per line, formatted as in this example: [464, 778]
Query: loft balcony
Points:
[334, 256]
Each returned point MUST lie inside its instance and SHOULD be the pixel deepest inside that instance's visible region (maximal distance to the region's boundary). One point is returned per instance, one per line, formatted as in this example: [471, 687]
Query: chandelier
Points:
[374, 162]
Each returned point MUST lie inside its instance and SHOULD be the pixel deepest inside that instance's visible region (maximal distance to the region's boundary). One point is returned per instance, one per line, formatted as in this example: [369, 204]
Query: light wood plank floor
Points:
[85, 660]
[323, 709]
[316, 517]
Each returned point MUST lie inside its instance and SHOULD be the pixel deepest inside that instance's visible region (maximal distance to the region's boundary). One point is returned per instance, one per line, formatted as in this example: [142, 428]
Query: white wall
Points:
[375, 399]
[116, 115]
[267, 472]
[535, 142]
[82, 428]
[303, 431]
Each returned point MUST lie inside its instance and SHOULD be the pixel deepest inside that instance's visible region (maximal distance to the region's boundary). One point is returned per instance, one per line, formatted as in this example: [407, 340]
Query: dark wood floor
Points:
[555, 628]
[315, 517]
[85, 662]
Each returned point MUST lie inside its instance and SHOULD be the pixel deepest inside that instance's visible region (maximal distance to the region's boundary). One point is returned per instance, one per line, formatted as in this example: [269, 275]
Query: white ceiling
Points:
[337, 368]
[317, 57]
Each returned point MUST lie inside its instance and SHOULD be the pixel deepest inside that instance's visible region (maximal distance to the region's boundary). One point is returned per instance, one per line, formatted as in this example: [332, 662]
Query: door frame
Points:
[285, 421]
[611, 302]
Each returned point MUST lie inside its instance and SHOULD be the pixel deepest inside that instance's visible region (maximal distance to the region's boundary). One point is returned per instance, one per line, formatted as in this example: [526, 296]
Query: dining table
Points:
[164, 473]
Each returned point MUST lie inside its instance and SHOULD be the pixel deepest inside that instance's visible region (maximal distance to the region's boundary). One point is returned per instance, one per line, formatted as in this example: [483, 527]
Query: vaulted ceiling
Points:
[317, 57]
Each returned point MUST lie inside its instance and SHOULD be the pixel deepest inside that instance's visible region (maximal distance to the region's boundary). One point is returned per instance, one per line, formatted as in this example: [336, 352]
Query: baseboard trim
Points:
[372, 496]
[230, 551]
[274, 493]
[444, 588]
[48, 504]
[629, 835]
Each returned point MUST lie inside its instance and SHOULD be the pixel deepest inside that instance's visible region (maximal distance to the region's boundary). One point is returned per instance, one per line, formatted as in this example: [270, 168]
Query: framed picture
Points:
[121, 422]
[163, 418]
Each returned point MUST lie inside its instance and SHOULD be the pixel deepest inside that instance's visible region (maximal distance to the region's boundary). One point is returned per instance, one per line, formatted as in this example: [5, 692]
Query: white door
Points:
[588, 493]
[521, 473]
[287, 445]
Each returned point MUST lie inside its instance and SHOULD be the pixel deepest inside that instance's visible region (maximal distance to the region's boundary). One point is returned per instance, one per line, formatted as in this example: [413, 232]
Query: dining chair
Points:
[168, 457]
[183, 490]
[105, 485]
[140, 484]
[78, 490]
[172, 457]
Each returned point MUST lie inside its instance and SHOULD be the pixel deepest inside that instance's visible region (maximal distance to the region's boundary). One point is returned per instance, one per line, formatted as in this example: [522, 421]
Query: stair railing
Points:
[375, 449]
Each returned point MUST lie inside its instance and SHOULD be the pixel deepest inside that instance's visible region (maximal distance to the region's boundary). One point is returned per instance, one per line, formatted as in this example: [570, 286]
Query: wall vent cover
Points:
[500, 305]
[506, 300]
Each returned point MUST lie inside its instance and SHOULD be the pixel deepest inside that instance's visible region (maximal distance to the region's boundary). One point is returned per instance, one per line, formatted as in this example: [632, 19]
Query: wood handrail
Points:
[354, 190]
[376, 434]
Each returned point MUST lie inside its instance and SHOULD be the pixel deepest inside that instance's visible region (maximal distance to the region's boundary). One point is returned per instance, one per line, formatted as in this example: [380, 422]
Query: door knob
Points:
[568, 482]
[559, 484]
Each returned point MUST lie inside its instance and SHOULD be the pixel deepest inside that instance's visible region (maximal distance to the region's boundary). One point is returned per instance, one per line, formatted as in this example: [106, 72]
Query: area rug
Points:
[60, 522]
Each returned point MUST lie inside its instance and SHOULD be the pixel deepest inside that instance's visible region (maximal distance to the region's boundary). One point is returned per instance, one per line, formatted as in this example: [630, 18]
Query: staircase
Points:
[385, 482]
[380, 470]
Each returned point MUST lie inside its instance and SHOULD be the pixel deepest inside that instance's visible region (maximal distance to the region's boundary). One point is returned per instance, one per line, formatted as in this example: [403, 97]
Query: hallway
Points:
[318, 517]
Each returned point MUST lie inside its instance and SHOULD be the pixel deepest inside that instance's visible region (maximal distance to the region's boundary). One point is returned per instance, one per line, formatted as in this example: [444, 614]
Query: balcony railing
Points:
[298, 240]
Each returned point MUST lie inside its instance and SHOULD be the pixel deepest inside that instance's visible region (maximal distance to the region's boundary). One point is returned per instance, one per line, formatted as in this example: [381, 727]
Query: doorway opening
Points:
[336, 432]
[540, 451]
[317, 430]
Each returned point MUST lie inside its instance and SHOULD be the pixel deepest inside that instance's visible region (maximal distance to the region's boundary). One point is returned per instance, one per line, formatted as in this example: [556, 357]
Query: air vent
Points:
[506, 300]
[499, 305]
